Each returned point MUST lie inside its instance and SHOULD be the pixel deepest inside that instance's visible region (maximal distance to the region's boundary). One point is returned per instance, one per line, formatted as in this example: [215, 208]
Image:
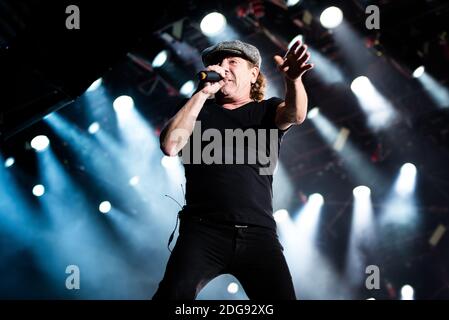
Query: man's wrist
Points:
[202, 95]
[290, 81]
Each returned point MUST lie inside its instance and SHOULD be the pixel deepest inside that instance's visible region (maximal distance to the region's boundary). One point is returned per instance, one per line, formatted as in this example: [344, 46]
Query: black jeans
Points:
[205, 250]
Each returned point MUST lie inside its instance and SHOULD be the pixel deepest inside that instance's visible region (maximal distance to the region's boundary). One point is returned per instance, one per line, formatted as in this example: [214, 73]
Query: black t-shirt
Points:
[233, 186]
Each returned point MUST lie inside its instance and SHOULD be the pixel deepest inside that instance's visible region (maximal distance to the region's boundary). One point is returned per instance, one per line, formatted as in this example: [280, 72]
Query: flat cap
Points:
[235, 47]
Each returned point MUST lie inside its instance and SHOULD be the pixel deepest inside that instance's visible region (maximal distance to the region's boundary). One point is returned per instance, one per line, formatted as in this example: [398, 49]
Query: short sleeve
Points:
[270, 114]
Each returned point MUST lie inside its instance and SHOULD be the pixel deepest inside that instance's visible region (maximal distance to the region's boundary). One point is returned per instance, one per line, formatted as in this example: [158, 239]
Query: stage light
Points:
[327, 70]
[360, 85]
[95, 85]
[38, 190]
[378, 109]
[331, 17]
[123, 104]
[169, 162]
[406, 181]
[187, 88]
[291, 3]
[307, 220]
[408, 170]
[40, 143]
[94, 127]
[400, 207]
[134, 180]
[233, 288]
[212, 24]
[436, 90]
[280, 215]
[418, 72]
[313, 113]
[160, 59]
[48, 116]
[174, 169]
[407, 292]
[361, 192]
[316, 199]
[362, 232]
[9, 162]
[105, 207]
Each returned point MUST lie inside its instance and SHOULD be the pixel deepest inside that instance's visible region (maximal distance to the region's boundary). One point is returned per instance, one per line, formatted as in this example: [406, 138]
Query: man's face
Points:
[239, 77]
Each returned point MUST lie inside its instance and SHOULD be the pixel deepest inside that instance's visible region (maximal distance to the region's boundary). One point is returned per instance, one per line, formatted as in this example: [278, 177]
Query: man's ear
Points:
[254, 74]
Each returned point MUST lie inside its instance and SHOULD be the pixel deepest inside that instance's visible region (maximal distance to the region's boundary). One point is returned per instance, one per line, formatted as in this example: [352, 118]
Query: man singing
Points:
[227, 224]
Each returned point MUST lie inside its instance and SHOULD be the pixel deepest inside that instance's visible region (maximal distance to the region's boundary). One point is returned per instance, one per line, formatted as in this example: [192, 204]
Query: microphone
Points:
[209, 76]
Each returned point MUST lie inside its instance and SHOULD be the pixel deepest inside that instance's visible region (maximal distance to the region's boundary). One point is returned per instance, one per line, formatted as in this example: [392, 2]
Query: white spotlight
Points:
[298, 37]
[94, 86]
[407, 292]
[9, 162]
[418, 72]
[49, 116]
[361, 192]
[212, 24]
[40, 143]
[105, 207]
[408, 169]
[436, 90]
[313, 113]
[123, 104]
[134, 180]
[280, 215]
[331, 17]
[38, 190]
[291, 3]
[187, 88]
[169, 162]
[360, 85]
[160, 59]
[94, 127]
[316, 198]
[233, 288]
[407, 179]
[377, 108]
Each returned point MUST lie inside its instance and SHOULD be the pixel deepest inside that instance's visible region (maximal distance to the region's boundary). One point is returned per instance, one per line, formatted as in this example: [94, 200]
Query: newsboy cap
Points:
[237, 47]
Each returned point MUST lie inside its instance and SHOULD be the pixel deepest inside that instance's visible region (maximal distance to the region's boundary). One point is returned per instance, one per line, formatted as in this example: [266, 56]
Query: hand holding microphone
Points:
[211, 79]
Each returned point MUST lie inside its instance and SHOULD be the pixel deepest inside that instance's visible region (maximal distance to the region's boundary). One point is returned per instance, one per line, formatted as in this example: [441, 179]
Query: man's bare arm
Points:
[293, 66]
[177, 131]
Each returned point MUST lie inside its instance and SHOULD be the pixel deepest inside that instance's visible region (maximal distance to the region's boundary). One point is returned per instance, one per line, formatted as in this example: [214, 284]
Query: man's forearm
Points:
[295, 101]
[176, 133]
